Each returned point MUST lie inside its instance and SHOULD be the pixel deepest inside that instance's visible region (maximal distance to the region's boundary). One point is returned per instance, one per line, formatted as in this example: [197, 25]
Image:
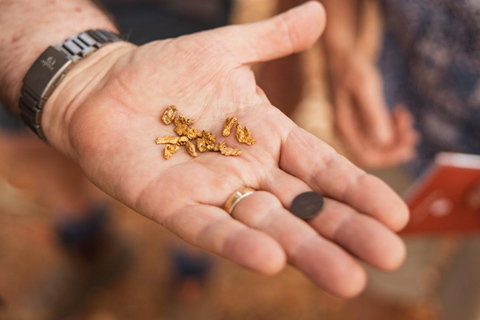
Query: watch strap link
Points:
[50, 69]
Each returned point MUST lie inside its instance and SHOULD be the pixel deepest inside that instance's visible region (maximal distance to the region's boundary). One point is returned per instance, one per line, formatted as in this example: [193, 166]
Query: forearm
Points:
[341, 31]
[29, 27]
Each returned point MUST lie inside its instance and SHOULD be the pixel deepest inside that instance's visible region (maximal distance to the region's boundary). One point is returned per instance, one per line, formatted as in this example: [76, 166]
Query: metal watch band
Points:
[50, 69]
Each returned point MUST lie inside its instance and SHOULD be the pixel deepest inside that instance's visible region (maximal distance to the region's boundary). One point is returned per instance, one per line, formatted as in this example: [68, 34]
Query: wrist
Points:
[29, 27]
[81, 82]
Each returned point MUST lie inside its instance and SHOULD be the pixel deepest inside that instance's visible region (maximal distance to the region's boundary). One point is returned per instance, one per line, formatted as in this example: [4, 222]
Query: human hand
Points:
[106, 115]
[376, 138]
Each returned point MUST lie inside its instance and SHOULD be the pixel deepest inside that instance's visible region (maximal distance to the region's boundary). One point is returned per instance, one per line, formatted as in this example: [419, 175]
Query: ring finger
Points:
[358, 233]
[324, 262]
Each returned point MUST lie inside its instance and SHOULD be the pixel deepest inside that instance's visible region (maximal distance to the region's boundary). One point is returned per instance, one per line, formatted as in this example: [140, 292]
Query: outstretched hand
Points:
[106, 115]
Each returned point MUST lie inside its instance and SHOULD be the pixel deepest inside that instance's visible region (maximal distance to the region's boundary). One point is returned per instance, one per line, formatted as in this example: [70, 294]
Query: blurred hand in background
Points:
[375, 137]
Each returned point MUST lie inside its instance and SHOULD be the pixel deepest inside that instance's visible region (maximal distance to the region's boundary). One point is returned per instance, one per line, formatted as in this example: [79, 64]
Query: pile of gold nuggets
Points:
[205, 140]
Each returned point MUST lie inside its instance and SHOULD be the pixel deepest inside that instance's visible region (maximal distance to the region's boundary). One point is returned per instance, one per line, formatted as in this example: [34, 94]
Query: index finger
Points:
[324, 170]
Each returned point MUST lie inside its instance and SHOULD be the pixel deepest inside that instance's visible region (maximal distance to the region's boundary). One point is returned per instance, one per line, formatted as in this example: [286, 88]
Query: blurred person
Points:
[426, 75]
[376, 137]
[428, 65]
[105, 116]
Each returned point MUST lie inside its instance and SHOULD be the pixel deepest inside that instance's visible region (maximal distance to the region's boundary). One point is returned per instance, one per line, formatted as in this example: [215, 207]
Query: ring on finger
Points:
[235, 198]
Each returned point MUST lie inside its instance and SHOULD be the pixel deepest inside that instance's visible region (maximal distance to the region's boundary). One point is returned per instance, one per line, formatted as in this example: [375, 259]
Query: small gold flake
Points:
[209, 138]
[227, 126]
[180, 128]
[219, 146]
[226, 150]
[193, 133]
[244, 135]
[201, 145]
[191, 149]
[185, 120]
[177, 122]
[167, 139]
[229, 151]
[169, 150]
[182, 141]
[169, 115]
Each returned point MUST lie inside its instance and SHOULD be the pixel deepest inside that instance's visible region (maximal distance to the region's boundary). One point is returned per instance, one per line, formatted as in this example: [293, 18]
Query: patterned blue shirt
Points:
[431, 63]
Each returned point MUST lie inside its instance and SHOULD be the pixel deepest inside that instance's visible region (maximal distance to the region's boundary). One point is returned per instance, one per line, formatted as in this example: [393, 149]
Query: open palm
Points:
[114, 121]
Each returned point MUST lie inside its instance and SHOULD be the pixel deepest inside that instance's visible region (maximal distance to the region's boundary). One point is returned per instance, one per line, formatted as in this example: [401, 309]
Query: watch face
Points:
[45, 71]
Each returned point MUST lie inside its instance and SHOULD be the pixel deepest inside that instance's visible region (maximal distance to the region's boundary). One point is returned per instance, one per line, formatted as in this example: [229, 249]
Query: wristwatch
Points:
[50, 69]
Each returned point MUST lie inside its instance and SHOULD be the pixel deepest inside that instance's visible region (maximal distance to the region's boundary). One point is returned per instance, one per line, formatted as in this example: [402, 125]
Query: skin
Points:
[376, 137]
[106, 116]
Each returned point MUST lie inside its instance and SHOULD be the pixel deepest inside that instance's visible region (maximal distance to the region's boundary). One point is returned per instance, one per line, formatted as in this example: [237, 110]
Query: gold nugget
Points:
[219, 146]
[185, 120]
[191, 149]
[180, 128]
[182, 141]
[201, 145]
[244, 135]
[209, 138]
[193, 133]
[167, 139]
[227, 126]
[169, 115]
[169, 150]
[227, 151]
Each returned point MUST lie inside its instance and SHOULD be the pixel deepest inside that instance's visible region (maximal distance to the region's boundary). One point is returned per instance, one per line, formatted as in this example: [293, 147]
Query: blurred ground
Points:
[28, 250]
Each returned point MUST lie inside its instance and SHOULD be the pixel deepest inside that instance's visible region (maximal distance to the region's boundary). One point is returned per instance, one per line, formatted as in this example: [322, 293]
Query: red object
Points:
[437, 201]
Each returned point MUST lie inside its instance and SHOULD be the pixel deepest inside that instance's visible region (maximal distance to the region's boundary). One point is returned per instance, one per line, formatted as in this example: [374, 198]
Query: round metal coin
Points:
[307, 205]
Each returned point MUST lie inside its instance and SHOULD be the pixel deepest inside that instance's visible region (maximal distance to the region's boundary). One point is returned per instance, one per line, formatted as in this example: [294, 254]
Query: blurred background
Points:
[392, 83]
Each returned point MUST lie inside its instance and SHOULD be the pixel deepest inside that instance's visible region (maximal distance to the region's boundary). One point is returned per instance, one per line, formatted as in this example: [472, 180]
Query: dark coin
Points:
[307, 205]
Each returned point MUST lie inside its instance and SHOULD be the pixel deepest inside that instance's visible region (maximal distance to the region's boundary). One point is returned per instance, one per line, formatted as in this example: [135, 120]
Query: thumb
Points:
[282, 35]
